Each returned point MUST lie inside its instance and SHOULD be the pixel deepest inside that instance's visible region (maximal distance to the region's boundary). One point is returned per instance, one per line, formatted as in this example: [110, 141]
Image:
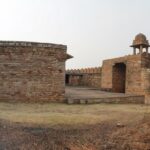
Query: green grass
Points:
[55, 114]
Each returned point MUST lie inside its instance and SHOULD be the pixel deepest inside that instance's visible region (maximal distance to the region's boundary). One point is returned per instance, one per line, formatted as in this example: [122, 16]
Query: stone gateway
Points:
[32, 72]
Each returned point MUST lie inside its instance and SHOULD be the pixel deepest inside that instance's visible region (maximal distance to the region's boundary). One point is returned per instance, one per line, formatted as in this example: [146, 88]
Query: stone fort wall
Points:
[137, 75]
[32, 72]
[90, 77]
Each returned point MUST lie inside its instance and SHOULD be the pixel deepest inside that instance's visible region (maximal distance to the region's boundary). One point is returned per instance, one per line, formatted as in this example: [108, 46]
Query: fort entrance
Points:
[119, 78]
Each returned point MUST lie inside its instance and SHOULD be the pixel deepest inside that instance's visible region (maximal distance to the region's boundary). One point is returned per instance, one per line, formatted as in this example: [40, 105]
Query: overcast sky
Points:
[93, 30]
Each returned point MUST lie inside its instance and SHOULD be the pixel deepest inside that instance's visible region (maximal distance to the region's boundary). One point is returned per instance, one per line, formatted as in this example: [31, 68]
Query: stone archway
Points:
[119, 78]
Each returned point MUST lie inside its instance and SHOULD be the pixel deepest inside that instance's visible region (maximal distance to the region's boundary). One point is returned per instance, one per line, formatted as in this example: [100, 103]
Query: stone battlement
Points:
[90, 77]
[94, 70]
[31, 44]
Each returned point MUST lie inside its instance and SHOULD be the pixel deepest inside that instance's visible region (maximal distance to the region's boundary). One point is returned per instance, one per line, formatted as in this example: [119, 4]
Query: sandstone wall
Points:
[107, 72]
[33, 72]
[146, 77]
[90, 77]
[146, 84]
[133, 73]
[133, 76]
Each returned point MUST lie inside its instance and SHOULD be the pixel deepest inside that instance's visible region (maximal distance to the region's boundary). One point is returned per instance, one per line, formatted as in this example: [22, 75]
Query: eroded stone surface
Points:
[32, 71]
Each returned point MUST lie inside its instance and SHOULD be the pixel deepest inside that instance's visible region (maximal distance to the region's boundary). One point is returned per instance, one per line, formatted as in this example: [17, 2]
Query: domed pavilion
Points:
[140, 42]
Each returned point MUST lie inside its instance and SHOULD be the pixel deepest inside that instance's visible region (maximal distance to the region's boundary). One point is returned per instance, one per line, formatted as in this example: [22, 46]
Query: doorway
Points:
[67, 79]
[119, 78]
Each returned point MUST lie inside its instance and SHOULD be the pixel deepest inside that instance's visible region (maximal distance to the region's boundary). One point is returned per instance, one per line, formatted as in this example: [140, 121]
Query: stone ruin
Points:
[128, 74]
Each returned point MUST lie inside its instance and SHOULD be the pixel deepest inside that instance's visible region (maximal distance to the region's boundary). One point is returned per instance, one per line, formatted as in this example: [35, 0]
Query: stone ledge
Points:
[31, 44]
[136, 99]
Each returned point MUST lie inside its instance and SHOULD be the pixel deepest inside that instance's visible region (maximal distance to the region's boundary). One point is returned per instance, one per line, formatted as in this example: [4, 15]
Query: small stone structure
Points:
[32, 72]
[129, 74]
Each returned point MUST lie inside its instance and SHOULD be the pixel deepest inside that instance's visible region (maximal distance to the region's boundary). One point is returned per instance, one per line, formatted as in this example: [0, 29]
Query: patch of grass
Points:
[55, 114]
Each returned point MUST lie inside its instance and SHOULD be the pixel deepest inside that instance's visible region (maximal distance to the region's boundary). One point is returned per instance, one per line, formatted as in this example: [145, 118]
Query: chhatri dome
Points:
[140, 42]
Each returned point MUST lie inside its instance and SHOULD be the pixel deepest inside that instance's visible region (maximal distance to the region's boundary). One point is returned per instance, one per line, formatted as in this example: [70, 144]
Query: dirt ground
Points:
[123, 127]
[103, 136]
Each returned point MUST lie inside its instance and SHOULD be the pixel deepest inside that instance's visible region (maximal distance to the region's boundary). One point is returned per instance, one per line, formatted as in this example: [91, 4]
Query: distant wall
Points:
[90, 77]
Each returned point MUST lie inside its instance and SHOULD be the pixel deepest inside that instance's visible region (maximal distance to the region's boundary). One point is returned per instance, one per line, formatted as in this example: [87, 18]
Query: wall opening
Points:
[67, 79]
[119, 78]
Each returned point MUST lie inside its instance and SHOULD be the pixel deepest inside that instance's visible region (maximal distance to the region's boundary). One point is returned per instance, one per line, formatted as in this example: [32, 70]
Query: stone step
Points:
[112, 100]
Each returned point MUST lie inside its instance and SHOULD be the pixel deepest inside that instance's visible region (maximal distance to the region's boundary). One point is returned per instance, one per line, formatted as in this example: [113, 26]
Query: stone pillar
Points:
[141, 49]
[134, 51]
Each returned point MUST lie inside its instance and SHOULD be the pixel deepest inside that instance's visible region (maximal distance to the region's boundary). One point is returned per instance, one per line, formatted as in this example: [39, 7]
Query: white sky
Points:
[93, 30]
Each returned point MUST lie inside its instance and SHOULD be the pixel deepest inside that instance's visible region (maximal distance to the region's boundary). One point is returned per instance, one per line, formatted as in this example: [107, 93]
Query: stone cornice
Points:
[31, 44]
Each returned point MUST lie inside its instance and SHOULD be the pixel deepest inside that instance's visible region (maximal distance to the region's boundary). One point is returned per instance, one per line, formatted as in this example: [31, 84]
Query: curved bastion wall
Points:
[32, 72]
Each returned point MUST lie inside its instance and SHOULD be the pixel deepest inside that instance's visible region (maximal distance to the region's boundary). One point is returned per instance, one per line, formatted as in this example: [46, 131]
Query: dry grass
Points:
[55, 114]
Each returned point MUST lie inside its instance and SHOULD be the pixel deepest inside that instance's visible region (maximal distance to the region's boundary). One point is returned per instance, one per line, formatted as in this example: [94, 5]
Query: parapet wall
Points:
[31, 44]
[94, 70]
[90, 77]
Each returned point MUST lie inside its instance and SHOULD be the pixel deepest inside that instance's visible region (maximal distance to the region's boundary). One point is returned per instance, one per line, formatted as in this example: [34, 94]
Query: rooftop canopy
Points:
[139, 40]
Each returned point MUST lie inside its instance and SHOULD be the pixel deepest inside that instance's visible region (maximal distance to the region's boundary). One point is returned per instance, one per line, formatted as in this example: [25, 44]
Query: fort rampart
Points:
[84, 77]
[32, 72]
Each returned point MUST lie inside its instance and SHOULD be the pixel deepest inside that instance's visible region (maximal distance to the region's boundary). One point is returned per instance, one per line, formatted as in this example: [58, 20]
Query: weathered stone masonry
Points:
[33, 72]
[128, 74]
[134, 72]
[90, 77]
[135, 77]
